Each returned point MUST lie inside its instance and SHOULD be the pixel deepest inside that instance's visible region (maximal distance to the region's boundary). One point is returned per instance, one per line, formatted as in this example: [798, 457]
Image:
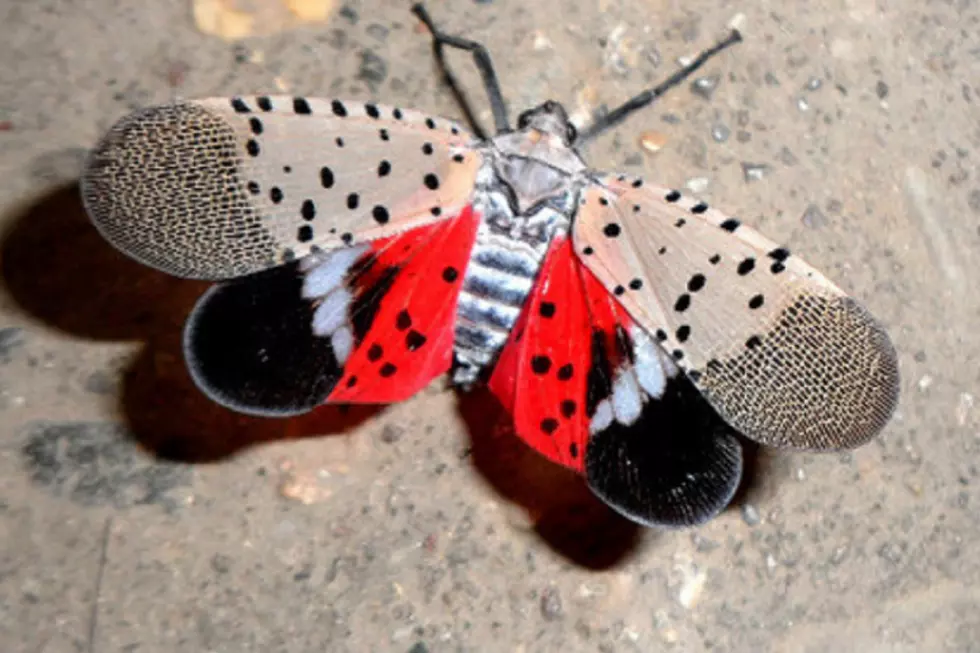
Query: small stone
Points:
[813, 217]
[551, 608]
[373, 68]
[834, 206]
[350, 14]
[787, 157]
[335, 38]
[958, 177]
[771, 79]
[750, 515]
[541, 42]
[379, 32]
[697, 185]
[973, 200]
[813, 84]
[771, 563]
[892, 552]
[420, 647]
[838, 556]
[692, 585]
[703, 544]
[705, 86]
[802, 104]
[881, 90]
[964, 408]
[220, 563]
[720, 132]
[304, 573]
[754, 171]
[652, 141]
[392, 433]
[743, 136]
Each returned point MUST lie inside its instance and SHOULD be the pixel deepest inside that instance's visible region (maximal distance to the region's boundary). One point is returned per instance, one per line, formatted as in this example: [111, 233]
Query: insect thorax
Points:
[526, 195]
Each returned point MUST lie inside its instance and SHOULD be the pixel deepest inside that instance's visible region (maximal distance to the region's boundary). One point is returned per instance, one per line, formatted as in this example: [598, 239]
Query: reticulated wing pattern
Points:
[782, 354]
[219, 188]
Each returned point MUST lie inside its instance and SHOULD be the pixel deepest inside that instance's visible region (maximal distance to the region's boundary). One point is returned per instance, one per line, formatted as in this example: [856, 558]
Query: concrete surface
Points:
[136, 516]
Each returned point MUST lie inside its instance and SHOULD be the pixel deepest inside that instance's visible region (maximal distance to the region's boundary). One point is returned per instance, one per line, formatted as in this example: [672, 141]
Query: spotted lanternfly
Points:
[363, 250]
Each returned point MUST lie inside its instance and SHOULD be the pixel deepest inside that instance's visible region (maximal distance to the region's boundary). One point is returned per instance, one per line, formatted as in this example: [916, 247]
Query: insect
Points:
[633, 333]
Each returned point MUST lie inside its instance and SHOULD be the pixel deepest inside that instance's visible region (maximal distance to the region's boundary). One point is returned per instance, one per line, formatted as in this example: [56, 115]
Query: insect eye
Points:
[523, 120]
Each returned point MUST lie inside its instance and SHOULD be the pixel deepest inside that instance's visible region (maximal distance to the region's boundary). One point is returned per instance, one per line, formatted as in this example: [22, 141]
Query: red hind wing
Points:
[404, 312]
[541, 376]
[620, 414]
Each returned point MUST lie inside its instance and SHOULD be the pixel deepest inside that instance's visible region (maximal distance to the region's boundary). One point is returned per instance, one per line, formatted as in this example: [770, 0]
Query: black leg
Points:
[620, 113]
[483, 64]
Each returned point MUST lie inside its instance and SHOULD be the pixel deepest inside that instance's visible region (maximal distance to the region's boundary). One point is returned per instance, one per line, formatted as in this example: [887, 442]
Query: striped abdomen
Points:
[505, 261]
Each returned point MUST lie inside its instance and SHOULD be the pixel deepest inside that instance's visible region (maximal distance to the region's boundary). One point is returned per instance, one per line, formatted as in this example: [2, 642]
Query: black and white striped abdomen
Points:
[506, 257]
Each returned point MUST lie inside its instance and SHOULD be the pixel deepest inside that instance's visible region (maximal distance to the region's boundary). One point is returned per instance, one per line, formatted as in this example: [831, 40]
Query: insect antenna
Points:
[481, 57]
[620, 113]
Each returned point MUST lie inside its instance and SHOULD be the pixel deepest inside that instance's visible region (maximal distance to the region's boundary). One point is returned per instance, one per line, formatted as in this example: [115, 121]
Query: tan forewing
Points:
[783, 354]
[223, 187]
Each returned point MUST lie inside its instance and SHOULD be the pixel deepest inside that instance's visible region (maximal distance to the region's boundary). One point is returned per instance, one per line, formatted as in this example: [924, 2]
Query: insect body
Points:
[363, 250]
[527, 192]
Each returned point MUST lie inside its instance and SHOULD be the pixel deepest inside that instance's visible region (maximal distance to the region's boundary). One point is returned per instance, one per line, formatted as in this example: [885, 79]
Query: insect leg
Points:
[621, 112]
[483, 64]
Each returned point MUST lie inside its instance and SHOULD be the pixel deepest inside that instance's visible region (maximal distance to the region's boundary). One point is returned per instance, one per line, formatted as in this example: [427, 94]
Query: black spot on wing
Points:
[249, 346]
[678, 465]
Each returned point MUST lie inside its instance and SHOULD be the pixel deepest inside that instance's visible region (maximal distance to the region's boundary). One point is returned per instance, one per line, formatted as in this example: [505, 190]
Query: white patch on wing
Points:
[602, 417]
[627, 401]
[342, 342]
[331, 314]
[635, 384]
[649, 366]
[325, 272]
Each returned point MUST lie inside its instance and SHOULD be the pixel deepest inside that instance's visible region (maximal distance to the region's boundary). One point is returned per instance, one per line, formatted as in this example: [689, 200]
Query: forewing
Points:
[220, 188]
[370, 323]
[591, 391]
[784, 356]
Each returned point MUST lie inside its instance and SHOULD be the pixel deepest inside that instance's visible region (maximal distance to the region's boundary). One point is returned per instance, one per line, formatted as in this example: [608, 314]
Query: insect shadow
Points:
[58, 269]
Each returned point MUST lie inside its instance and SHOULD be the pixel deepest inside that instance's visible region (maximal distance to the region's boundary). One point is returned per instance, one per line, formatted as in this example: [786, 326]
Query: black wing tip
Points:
[249, 346]
[679, 465]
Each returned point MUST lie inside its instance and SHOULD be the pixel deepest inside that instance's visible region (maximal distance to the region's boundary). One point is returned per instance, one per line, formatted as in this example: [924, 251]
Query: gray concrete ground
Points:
[136, 516]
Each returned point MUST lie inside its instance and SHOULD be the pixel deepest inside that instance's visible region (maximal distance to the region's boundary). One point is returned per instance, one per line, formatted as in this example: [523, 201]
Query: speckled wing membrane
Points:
[784, 355]
[220, 188]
